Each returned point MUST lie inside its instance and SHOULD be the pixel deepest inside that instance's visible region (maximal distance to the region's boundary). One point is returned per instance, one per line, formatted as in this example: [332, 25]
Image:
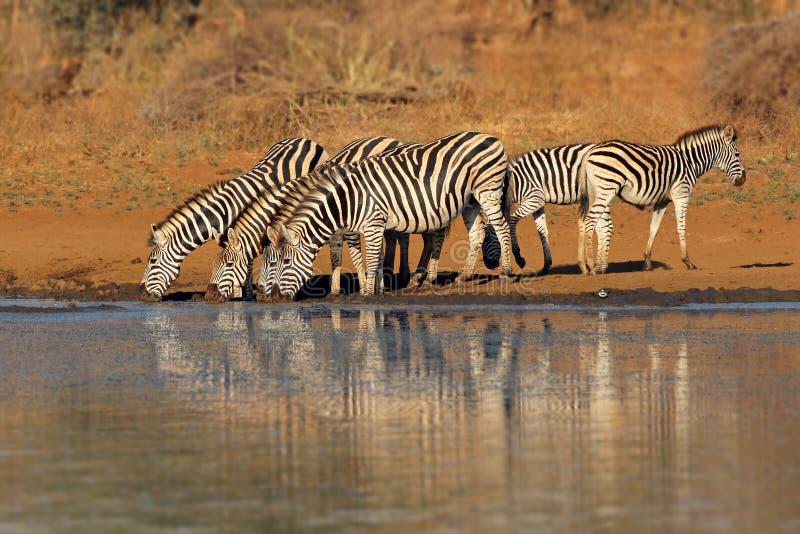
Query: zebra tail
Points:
[505, 199]
[583, 188]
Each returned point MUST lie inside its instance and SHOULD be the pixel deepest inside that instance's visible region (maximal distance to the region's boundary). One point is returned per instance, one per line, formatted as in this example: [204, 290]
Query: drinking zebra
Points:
[295, 194]
[647, 175]
[213, 209]
[420, 190]
[244, 240]
[544, 176]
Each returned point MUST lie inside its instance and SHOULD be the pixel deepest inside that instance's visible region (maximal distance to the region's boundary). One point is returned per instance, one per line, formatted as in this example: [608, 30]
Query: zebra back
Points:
[216, 207]
[297, 191]
[251, 225]
[422, 186]
[551, 173]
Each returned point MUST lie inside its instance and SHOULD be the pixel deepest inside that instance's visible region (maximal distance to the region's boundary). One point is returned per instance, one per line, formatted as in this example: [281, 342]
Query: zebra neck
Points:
[317, 232]
[251, 241]
[699, 156]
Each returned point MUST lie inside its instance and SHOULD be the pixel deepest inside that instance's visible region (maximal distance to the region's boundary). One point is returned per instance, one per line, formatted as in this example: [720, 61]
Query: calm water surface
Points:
[247, 416]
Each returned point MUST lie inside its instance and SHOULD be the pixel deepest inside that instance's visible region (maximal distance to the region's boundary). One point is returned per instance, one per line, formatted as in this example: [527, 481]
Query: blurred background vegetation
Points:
[89, 81]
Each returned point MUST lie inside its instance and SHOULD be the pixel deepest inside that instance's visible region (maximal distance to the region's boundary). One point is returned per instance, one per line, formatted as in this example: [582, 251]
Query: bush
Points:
[752, 71]
[92, 24]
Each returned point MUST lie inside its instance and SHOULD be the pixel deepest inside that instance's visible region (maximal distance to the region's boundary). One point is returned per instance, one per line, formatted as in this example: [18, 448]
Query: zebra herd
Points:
[297, 199]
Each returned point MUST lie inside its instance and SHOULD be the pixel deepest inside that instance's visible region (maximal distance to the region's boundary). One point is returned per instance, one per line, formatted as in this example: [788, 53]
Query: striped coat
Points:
[212, 210]
[417, 191]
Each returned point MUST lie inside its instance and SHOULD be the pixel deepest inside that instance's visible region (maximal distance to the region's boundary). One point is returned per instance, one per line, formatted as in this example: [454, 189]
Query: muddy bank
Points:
[483, 292]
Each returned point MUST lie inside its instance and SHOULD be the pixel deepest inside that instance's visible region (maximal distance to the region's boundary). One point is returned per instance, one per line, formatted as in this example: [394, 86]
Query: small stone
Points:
[136, 260]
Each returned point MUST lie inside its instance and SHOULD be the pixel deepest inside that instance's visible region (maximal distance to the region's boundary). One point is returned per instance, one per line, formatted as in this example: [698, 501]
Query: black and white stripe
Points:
[244, 240]
[290, 200]
[647, 175]
[417, 191]
[544, 176]
[211, 211]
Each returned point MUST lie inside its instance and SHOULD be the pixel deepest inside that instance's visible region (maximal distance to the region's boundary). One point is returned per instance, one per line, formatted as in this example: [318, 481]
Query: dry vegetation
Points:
[119, 106]
[150, 83]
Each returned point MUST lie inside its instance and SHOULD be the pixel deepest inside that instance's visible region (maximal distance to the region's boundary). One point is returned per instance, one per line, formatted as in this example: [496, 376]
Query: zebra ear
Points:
[232, 237]
[728, 134]
[159, 237]
[291, 236]
[273, 235]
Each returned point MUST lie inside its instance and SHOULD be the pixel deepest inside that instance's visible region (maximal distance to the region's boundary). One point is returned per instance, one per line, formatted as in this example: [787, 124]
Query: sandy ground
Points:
[744, 253]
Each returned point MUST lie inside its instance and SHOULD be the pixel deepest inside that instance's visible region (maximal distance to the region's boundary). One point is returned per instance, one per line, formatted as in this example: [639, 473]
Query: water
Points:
[283, 417]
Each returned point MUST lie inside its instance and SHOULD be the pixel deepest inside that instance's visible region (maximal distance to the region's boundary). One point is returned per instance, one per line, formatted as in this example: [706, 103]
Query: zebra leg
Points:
[491, 248]
[353, 242]
[391, 238]
[603, 230]
[529, 206]
[583, 223]
[541, 228]
[491, 205]
[248, 282]
[424, 260]
[681, 204]
[436, 242]
[512, 228]
[373, 239]
[475, 224]
[404, 273]
[335, 245]
[655, 224]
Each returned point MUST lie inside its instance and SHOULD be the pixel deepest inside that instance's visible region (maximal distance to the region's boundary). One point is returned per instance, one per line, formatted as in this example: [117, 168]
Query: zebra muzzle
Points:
[262, 295]
[146, 296]
[213, 294]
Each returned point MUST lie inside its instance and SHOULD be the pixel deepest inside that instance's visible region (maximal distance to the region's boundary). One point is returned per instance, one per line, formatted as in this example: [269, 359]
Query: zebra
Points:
[292, 198]
[647, 175]
[420, 190]
[245, 238]
[213, 209]
[543, 176]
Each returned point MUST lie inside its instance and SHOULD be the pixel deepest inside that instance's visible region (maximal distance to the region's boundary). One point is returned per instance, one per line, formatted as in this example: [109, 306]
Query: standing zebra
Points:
[213, 209]
[245, 238]
[646, 175]
[420, 190]
[544, 176]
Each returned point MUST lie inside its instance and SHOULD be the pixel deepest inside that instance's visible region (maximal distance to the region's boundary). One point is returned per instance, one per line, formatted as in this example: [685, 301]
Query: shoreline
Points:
[442, 296]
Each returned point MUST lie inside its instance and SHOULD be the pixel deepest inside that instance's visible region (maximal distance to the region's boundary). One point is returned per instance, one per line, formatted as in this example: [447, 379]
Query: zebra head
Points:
[728, 160]
[295, 262]
[230, 268]
[267, 282]
[162, 267]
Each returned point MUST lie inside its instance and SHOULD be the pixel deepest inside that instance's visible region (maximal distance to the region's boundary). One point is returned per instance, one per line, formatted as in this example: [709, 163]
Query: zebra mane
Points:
[697, 131]
[208, 194]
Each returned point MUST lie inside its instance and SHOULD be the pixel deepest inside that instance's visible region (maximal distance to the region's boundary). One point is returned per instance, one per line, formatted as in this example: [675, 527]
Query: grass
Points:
[168, 97]
[125, 185]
